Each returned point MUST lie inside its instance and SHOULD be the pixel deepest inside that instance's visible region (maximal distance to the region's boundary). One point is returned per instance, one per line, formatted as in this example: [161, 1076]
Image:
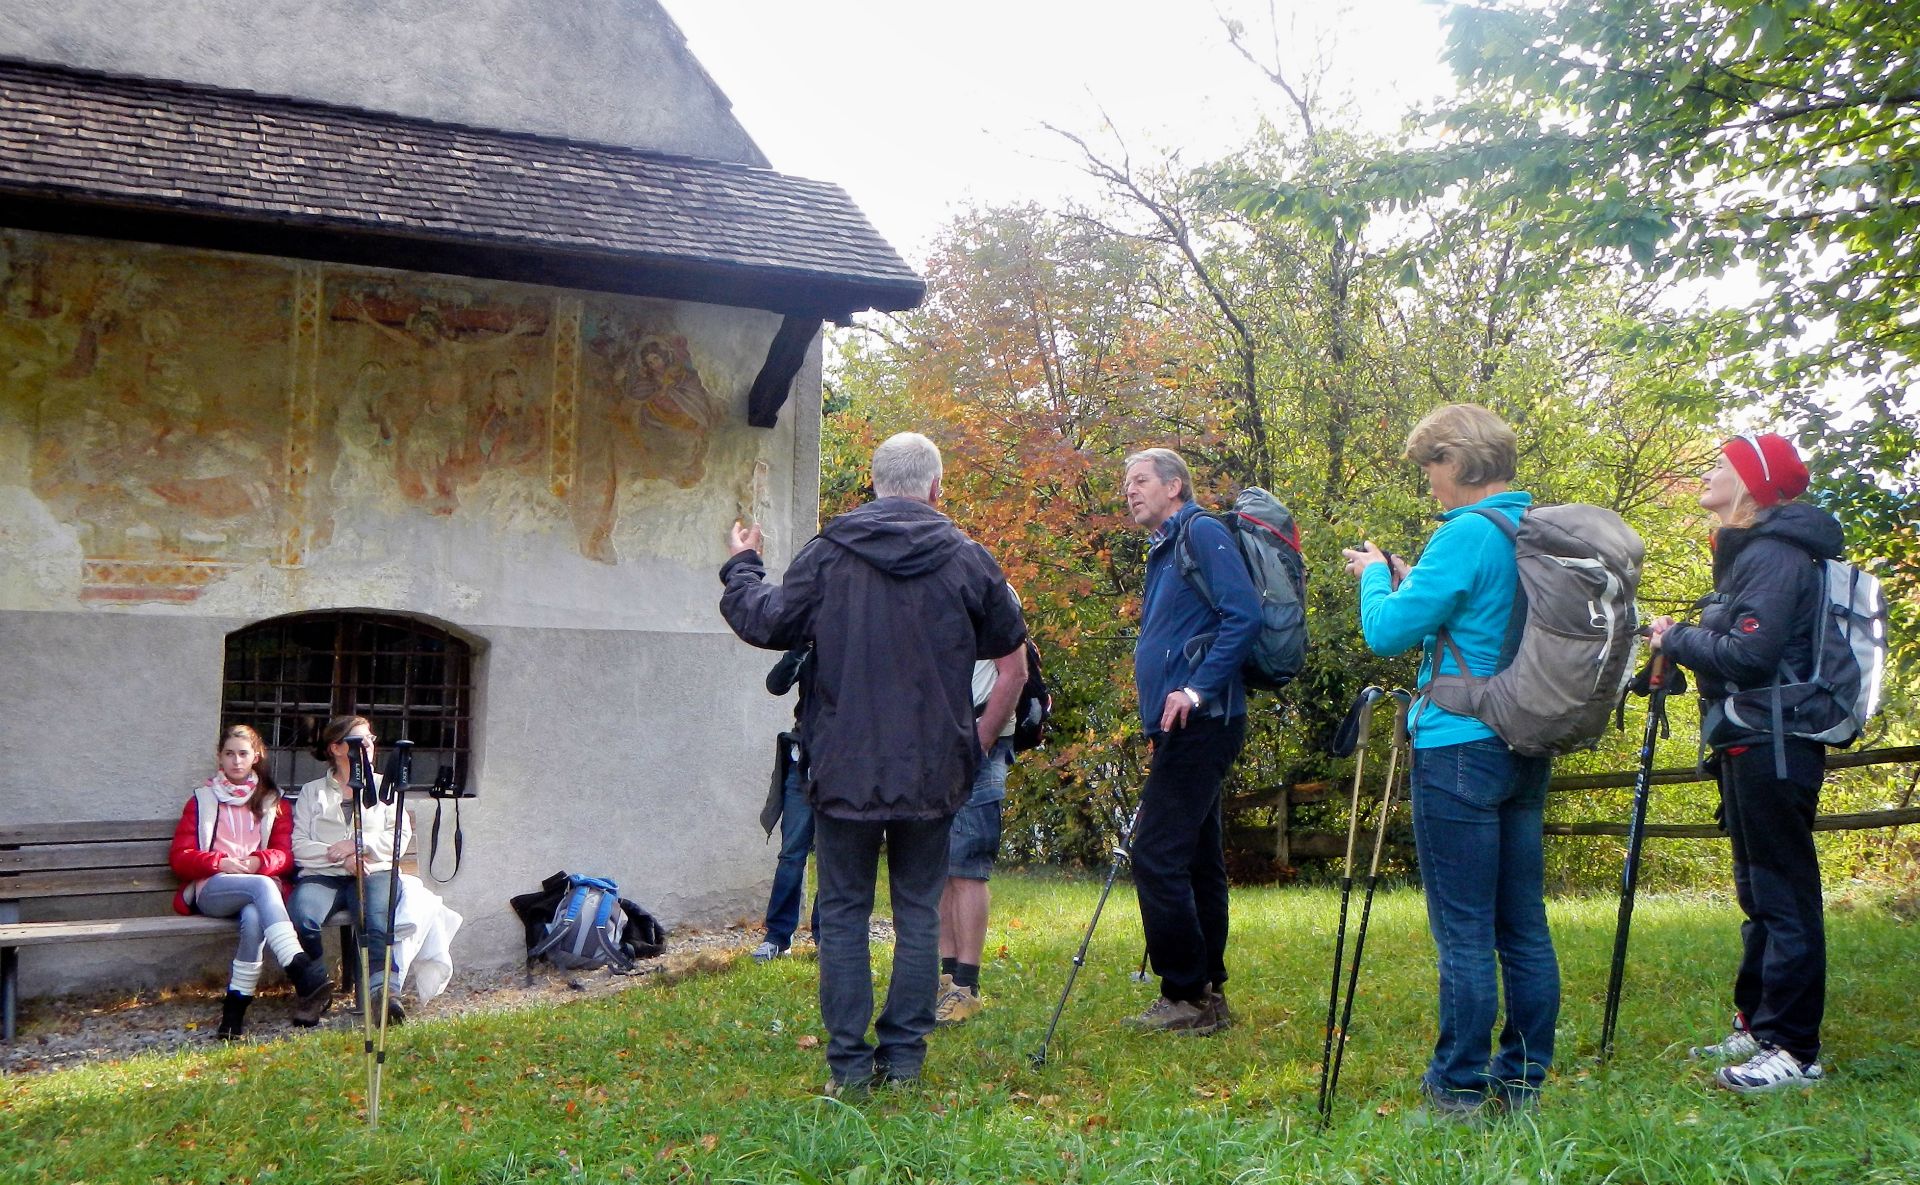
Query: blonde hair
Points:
[1479, 443]
[1745, 506]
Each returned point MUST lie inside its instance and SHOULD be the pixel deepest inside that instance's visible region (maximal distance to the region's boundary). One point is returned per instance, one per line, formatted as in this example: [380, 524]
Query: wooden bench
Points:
[81, 861]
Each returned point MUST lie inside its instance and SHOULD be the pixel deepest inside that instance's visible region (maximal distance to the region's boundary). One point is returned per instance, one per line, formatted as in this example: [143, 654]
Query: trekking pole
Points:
[360, 784]
[1121, 854]
[1657, 672]
[1396, 747]
[1352, 738]
[393, 791]
[1141, 975]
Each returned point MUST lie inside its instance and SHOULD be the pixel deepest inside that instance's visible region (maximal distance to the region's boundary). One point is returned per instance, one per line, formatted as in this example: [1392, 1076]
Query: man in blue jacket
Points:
[1193, 707]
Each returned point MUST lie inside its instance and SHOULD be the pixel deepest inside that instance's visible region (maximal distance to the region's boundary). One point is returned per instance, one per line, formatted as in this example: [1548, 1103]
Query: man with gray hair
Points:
[1193, 707]
[898, 604]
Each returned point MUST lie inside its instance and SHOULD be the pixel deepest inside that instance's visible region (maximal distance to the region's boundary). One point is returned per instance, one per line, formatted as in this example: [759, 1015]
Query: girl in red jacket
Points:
[232, 848]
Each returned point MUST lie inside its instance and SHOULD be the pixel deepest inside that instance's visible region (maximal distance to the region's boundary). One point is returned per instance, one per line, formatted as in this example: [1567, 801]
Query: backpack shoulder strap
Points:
[1498, 519]
[1189, 565]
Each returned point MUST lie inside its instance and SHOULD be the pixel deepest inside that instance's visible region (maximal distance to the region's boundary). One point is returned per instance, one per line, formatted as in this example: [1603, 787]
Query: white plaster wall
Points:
[620, 728]
[637, 755]
[614, 71]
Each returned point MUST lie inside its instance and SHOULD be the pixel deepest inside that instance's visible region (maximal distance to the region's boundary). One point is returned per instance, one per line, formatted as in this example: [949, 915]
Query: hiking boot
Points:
[1770, 1069]
[308, 1009]
[956, 1005]
[767, 952]
[1450, 1108]
[1176, 1016]
[396, 1015]
[1737, 1046]
[847, 1089]
[1223, 1016]
[233, 1016]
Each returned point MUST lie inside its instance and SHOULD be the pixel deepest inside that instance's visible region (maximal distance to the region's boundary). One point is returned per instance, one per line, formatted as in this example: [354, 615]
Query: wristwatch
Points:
[1191, 694]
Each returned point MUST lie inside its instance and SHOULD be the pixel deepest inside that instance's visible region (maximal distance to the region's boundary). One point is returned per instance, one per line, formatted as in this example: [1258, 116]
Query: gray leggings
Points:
[255, 898]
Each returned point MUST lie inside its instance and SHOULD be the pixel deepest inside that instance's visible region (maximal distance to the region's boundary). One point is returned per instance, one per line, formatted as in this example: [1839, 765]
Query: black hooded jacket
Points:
[898, 604]
[1761, 613]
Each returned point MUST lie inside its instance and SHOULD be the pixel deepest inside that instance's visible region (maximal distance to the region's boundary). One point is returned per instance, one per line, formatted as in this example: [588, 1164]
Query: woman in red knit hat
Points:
[1760, 617]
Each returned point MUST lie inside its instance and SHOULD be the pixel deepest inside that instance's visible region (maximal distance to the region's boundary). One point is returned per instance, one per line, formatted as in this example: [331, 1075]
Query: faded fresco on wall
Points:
[186, 414]
[148, 395]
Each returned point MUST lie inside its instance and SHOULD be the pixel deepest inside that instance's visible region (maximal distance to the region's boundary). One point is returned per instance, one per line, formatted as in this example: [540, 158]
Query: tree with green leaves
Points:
[1764, 146]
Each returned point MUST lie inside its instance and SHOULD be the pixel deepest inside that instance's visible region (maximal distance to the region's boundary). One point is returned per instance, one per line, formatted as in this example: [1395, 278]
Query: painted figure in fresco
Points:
[660, 419]
[446, 364]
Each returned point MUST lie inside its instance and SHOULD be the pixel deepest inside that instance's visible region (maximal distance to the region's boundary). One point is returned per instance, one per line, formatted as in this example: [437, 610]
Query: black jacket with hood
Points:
[898, 604]
[1761, 613]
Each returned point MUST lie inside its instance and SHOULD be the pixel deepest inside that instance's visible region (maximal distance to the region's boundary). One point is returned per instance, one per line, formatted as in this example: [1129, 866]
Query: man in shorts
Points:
[972, 847]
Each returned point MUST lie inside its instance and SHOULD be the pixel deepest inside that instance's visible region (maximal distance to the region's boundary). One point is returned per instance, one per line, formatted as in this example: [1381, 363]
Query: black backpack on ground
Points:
[1269, 543]
[577, 922]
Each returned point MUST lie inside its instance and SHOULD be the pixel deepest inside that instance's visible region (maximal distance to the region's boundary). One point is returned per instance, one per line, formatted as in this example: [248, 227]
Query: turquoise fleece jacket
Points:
[1465, 581]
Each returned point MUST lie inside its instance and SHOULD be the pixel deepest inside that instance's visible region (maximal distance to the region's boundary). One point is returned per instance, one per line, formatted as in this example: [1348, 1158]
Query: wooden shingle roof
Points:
[162, 161]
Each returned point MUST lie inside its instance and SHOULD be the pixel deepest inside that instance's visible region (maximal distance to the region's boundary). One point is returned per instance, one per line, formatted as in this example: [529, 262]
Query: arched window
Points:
[289, 675]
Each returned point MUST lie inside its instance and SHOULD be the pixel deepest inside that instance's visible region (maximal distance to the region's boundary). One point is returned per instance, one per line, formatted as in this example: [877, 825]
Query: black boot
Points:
[312, 987]
[233, 1016]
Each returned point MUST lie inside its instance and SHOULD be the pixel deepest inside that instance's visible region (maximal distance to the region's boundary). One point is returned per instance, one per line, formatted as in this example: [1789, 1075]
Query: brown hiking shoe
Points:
[956, 1005]
[1223, 1016]
[1176, 1016]
[308, 1009]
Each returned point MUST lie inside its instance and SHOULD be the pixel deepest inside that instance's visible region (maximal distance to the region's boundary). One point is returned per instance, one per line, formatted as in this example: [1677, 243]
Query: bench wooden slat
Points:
[38, 933]
[106, 831]
[88, 882]
[54, 857]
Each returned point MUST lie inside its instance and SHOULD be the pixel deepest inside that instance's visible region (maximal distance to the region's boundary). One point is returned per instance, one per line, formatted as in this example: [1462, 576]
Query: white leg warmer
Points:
[285, 942]
[246, 976]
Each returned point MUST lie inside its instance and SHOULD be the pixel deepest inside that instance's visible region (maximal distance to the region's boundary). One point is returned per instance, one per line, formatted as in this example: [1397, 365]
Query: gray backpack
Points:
[1832, 702]
[1571, 639]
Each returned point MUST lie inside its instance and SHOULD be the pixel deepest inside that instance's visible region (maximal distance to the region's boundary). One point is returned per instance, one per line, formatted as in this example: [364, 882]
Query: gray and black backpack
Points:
[1571, 638]
[1833, 700]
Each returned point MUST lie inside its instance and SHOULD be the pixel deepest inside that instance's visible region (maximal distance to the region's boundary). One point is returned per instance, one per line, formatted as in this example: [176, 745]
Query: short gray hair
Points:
[1479, 444]
[1167, 466]
[905, 466]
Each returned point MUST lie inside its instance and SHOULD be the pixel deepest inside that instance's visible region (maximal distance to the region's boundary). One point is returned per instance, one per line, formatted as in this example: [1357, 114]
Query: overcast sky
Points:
[920, 109]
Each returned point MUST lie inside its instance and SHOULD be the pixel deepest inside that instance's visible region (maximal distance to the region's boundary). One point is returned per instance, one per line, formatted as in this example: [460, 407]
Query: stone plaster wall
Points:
[613, 71]
[190, 443]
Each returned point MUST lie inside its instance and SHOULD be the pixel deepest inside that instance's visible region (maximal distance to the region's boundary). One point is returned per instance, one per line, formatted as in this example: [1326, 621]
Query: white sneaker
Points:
[1770, 1069]
[766, 952]
[1737, 1046]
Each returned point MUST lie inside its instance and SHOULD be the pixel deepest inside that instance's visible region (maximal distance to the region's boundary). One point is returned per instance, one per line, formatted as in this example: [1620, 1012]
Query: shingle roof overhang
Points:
[170, 162]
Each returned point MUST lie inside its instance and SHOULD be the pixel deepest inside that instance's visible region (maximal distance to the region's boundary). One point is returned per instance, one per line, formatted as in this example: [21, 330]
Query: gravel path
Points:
[58, 1033]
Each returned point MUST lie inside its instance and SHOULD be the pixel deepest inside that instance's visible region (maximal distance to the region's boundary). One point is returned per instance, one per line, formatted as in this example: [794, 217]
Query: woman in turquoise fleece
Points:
[1477, 804]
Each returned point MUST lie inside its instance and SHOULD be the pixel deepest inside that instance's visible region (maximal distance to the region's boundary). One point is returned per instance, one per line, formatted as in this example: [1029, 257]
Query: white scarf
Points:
[232, 793]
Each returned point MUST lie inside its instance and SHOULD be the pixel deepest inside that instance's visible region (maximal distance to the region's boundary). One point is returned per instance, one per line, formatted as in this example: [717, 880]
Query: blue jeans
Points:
[916, 874]
[1476, 824]
[790, 874]
[315, 897]
[974, 843]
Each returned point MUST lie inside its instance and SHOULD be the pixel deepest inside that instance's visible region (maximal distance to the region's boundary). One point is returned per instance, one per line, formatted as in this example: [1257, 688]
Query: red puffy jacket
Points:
[193, 863]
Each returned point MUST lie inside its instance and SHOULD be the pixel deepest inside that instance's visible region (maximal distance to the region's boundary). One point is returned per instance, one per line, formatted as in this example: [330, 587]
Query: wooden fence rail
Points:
[1290, 845]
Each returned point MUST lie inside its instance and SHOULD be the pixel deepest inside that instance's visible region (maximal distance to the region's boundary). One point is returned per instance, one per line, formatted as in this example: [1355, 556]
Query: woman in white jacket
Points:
[330, 871]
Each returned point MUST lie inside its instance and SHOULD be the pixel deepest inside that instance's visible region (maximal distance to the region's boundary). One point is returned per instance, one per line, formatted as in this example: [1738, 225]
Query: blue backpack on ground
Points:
[577, 922]
[1269, 543]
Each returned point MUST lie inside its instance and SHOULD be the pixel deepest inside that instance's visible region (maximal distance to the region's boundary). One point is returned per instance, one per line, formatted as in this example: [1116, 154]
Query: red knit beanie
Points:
[1769, 465]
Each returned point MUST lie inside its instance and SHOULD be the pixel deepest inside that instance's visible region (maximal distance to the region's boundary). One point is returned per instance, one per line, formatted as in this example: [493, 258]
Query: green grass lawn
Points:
[717, 1078]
